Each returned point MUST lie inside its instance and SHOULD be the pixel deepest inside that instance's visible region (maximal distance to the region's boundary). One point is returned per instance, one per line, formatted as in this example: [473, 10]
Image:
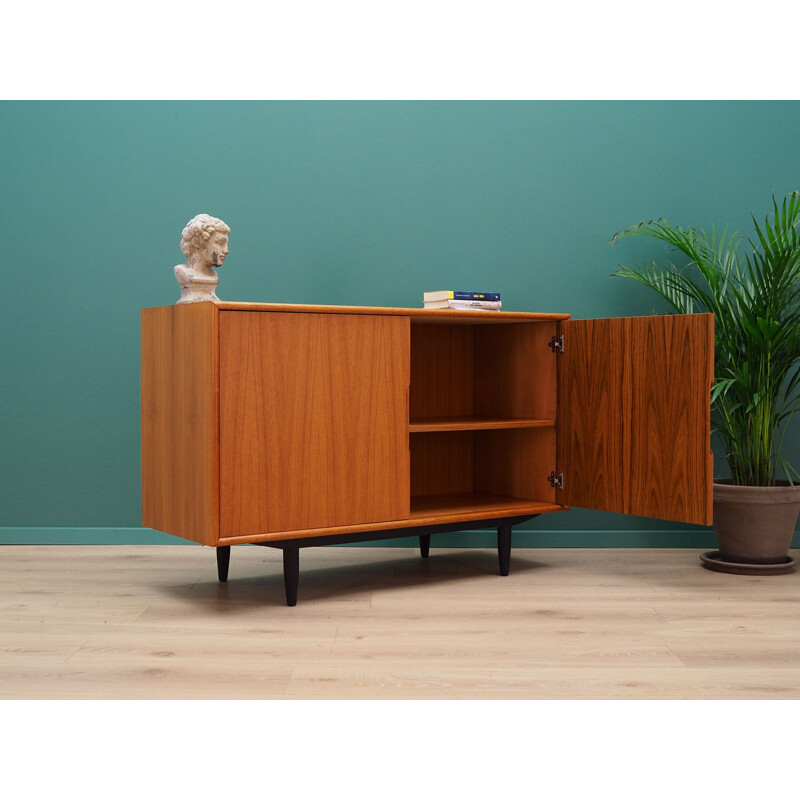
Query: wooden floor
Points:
[381, 623]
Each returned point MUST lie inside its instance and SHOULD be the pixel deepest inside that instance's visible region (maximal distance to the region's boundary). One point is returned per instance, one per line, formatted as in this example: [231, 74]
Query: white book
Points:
[478, 305]
[436, 304]
[435, 297]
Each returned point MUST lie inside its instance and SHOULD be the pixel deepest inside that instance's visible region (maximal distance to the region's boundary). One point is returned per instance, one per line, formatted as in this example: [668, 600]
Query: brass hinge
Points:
[556, 481]
[557, 344]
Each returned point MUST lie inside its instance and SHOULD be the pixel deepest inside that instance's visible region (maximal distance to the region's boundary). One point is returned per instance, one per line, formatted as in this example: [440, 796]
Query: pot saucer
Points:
[712, 560]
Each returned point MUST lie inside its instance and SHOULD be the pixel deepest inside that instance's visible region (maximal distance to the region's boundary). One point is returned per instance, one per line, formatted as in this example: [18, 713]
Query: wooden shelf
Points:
[429, 424]
[475, 506]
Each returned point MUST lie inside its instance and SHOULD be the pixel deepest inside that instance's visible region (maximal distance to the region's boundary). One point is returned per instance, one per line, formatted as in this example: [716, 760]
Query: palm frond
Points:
[672, 286]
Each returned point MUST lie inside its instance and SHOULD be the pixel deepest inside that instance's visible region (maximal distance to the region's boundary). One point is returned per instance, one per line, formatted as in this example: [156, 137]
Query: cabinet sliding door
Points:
[313, 420]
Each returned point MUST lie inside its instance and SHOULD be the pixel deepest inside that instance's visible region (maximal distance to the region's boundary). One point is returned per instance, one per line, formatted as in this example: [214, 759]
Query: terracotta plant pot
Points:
[755, 524]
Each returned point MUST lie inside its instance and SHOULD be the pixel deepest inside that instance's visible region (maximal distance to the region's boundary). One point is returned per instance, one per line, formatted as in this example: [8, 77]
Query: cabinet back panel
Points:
[441, 463]
[180, 490]
[313, 420]
[441, 370]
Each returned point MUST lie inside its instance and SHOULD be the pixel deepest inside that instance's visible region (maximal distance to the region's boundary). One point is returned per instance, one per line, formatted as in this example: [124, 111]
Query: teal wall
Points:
[363, 203]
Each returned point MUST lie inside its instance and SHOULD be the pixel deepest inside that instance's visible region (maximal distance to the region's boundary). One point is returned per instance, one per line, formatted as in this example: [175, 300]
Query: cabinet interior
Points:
[482, 408]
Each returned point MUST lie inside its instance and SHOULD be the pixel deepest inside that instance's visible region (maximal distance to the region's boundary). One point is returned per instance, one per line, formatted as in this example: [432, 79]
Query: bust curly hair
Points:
[199, 230]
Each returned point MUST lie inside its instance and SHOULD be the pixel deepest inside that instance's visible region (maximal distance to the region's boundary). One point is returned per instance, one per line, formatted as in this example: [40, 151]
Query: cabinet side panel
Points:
[516, 463]
[179, 412]
[515, 370]
[313, 420]
[671, 362]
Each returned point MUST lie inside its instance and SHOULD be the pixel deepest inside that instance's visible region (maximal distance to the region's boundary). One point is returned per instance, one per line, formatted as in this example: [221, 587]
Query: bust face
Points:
[215, 249]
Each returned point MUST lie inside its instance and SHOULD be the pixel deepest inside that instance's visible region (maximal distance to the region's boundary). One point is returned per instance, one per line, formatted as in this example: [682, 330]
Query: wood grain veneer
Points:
[516, 463]
[442, 371]
[672, 364]
[425, 510]
[180, 446]
[593, 407]
[442, 463]
[455, 506]
[313, 421]
[430, 424]
[422, 315]
[515, 370]
[634, 417]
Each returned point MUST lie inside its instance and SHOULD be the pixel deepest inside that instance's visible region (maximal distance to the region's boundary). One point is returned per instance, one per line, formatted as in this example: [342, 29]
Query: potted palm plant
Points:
[752, 286]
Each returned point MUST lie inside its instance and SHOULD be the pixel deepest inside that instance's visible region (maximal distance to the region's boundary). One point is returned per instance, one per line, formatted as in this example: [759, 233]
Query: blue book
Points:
[433, 296]
[476, 295]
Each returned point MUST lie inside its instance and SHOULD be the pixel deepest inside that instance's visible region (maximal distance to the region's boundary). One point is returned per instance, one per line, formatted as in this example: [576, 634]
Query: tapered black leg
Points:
[504, 548]
[291, 573]
[425, 545]
[223, 560]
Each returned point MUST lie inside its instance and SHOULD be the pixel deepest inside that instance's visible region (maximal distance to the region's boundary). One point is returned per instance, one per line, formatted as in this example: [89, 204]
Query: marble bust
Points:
[204, 242]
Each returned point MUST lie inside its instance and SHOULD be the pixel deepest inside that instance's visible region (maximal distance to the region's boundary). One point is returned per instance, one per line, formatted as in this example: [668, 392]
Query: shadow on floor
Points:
[348, 582]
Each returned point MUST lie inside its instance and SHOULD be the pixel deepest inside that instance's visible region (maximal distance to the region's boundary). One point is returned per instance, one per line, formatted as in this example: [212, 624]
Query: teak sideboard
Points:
[293, 425]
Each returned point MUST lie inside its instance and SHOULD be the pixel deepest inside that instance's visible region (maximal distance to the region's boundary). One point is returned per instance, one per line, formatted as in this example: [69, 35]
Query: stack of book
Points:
[463, 300]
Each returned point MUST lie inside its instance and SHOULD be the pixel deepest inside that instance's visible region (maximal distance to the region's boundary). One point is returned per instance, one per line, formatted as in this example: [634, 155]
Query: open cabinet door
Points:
[634, 416]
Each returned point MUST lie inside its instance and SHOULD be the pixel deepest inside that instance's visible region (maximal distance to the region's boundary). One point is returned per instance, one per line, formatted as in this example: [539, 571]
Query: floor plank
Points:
[381, 623]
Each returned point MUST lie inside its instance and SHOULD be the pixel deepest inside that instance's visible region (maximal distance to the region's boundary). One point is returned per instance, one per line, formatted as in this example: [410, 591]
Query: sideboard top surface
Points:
[417, 314]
